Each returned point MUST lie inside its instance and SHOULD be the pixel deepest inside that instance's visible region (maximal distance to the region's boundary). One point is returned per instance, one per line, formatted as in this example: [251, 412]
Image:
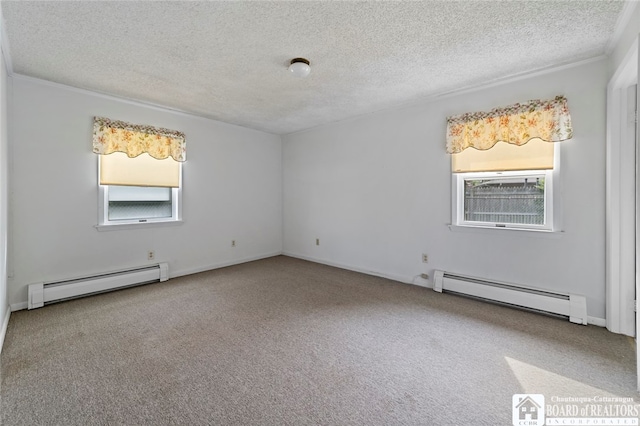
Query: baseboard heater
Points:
[572, 306]
[41, 294]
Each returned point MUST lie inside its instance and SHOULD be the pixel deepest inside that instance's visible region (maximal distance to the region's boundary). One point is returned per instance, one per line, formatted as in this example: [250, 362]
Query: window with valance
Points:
[140, 172]
[134, 139]
[517, 124]
[503, 162]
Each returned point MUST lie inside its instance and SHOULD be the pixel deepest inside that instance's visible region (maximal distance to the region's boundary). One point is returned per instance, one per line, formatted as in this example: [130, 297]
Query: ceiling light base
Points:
[299, 67]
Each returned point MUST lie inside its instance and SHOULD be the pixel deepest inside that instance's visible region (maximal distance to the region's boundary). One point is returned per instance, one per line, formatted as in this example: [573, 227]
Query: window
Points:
[507, 186]
[138, 203]
[122, 202]
[139, 173]
[522, 199]
[505, 166]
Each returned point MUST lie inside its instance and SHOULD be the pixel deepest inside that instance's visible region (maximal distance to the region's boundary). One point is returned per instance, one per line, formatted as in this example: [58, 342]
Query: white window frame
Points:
[104, 224]
[457, 207]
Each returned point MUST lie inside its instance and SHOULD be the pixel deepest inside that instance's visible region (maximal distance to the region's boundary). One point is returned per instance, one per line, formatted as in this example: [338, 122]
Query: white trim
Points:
[458, 191]
[415, 280]
[626, 72]
[636, 288]
[598, 322]
[620, 318]
[425, 100]
[557, 195]
[538, 233]
[612, 225]
[621, 23]
[218, 265]
[461, 91]
[5, 326]
[179, 273]
[4, 45]
[19, 306]
[136, 102]
[140, 225]
[104, 224]
[518, 77]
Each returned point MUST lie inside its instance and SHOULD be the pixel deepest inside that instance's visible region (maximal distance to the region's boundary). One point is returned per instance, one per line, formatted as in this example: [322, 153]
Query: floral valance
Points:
[516, 124]
[118, 136]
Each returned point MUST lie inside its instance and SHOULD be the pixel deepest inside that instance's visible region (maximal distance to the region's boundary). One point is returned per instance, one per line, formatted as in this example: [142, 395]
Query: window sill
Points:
[140, 225]
[540, 233]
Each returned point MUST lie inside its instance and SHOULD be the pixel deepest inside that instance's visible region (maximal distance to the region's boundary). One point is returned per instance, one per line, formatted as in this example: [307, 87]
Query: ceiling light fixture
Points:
[300, 67]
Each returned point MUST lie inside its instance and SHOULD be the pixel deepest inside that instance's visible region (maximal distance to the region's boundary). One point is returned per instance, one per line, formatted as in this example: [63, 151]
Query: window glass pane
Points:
[514, 200]
[138, 193]
[136, 203]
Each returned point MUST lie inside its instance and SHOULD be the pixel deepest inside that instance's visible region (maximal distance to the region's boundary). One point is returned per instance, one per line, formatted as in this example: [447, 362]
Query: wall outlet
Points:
[424, 276]
[317, 241]
[425, 258]
[151, 255]
[233, 243]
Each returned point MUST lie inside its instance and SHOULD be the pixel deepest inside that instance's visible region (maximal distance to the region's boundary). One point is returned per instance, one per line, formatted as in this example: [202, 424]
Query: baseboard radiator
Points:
[572, 306]
[41, 294]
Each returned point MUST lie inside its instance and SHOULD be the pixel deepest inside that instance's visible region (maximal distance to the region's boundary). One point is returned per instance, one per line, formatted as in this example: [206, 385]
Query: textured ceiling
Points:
[227, 60]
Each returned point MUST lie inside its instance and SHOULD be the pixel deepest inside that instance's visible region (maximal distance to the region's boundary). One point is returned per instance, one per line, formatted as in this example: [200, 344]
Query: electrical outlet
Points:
[233, 243]
[424, 276]
[151, 255]
[317, 241]
[425, 258]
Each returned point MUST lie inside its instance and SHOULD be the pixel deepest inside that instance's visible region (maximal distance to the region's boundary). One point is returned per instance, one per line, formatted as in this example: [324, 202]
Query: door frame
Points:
[621, 191]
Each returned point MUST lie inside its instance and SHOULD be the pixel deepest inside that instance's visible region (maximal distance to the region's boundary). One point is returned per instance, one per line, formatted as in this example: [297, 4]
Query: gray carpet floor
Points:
[283, 341]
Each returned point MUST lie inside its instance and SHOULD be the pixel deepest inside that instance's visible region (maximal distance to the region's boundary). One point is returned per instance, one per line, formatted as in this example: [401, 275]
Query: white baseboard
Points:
[3, 330]
[19, 306]
[415, 280]
[182, 272]
[173, 274]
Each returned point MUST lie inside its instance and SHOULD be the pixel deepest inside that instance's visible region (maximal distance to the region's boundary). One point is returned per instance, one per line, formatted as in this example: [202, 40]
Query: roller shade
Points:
[143, 170]
[534, 155]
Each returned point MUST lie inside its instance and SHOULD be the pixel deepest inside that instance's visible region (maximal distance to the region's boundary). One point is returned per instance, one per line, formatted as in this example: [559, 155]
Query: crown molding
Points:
[131, 101]
[621, 23]
[4, 44]
[463, 90]
[517, 77]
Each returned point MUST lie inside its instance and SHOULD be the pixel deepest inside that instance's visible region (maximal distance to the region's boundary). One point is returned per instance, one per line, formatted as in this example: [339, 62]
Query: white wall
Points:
[232, 190]
[377, 192]
[4, 199]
